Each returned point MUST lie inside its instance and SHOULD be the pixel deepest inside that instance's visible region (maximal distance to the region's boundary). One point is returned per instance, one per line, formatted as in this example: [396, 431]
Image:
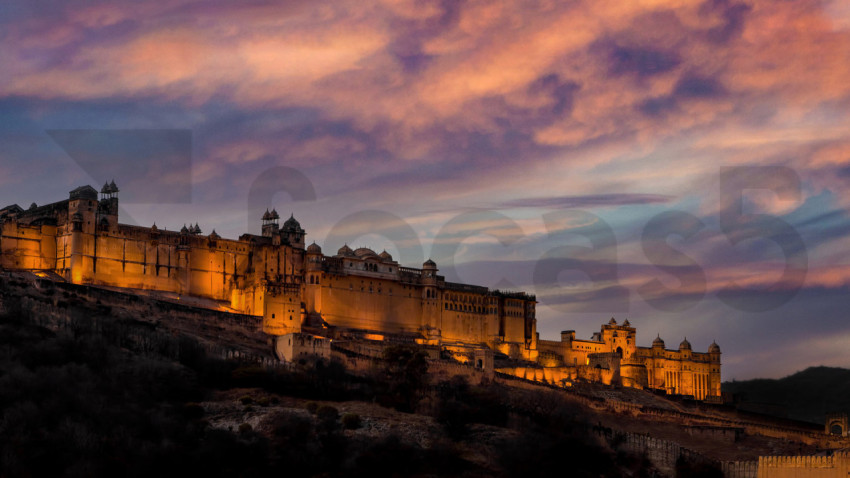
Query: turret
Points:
[291, 232]
[567, 337]
[714, 370]
[314, 258]
[82, 209]
[270, 226]
[429, 272]
[714, 349]
[107, 208]
[685, 349]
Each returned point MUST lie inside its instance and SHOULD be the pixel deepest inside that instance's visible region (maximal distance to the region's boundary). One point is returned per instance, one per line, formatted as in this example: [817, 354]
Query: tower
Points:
[82, 204]
[292, 233]
[107, 208]
[430, 302]
[270, 227]
[714, 369]
[313, 280]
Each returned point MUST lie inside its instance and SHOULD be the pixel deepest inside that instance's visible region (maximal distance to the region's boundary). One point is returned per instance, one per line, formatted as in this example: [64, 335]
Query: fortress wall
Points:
[281, 308]
[803, 466]
[739, 469]
[514, 320]
[663, 454]
[381, 305]
[553, 376]
[468, 326]
[27, 247]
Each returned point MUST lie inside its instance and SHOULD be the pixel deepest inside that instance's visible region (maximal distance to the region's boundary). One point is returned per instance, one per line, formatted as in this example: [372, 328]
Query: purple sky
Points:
[681, 164]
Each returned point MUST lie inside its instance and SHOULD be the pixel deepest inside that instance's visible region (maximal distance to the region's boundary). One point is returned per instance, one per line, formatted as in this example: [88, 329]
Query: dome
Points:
[685, 344]
[658, 342]
[266, 215]
[290, 223]
[429, 264]
[385, 256]
[314, 249]
[196, 229]
[364, 252]
[344, 251]
[214, 235]
[612, 321]
[113, 187]
[154, 228]
[274, 215]
[105, 189]
[714, 348]
[184, 230]
[627, 323]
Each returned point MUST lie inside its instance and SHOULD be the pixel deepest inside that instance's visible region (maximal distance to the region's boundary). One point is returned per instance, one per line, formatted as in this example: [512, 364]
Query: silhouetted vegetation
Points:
[806, 395]
[403, 377]
[84, 405]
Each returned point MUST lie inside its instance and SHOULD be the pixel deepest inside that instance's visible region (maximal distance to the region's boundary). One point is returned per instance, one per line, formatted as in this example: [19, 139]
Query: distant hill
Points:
[806, 395]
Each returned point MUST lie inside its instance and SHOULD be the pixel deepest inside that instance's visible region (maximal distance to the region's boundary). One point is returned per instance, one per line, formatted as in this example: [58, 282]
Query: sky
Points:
[682, 164]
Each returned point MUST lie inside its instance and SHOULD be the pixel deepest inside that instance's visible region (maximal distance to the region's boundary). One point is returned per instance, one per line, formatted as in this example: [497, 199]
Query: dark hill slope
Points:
[807, 395]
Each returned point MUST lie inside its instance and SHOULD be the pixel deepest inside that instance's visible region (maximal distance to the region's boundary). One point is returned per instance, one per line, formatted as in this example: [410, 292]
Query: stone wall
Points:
[834, 466]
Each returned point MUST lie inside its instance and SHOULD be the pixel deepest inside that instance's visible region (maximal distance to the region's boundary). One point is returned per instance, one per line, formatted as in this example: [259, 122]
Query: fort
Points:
[300, 293]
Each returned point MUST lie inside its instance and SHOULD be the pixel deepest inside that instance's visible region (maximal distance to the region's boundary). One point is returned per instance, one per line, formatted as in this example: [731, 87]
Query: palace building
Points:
[293, 287]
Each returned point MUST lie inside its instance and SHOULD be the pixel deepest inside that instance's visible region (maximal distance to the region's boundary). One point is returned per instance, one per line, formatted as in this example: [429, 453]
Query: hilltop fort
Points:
[305, 297]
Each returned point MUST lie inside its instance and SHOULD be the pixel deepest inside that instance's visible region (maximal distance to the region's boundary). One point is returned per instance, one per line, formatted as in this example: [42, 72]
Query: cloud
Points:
[588, 201]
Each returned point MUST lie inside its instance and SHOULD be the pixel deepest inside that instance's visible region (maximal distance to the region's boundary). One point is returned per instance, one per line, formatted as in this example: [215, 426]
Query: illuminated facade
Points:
[291, 286]
[271, 275]
[614, 353]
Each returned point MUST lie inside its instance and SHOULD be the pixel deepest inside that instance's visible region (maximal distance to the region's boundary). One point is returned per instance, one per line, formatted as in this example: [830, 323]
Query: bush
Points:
[351, 421]
[405, 375]
[263, 401]
[245, 428]
[246, 400]
[455, 416]
[327, 413]
[312, 407]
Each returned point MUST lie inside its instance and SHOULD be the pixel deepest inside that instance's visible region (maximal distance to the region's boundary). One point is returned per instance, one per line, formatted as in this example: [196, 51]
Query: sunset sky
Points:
[685, 165]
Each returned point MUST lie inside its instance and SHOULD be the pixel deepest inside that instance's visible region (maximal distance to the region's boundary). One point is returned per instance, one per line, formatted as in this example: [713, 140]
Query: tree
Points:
[406, 374]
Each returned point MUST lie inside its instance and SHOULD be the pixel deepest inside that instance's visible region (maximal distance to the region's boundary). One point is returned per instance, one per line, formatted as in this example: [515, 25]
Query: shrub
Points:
[263, 401]
[327, 413]
[246, 400]
[312, 407]
[455, 416]
[245, 428]
[351, 421]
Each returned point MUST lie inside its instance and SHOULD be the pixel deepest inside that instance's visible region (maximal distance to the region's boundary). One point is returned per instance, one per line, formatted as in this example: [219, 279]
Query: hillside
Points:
[99, 394]
[123, 384]
[807, 395]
